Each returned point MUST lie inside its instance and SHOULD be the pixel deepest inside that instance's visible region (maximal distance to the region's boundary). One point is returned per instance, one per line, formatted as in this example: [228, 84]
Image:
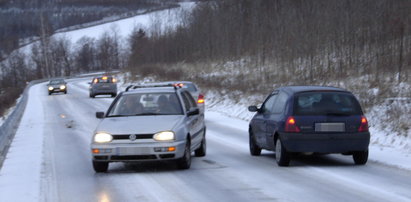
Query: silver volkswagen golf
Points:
[149, 123]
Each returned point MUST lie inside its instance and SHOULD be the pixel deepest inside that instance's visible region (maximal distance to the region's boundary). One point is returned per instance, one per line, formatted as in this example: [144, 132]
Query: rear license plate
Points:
[132, 151]
[330, 127]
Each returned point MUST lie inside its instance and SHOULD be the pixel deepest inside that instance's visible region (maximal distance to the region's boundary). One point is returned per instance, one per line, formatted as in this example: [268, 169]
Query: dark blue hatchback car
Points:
[309, 119]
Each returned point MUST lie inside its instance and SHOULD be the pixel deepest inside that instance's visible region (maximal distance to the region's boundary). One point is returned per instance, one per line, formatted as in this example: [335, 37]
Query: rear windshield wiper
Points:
[337, 114]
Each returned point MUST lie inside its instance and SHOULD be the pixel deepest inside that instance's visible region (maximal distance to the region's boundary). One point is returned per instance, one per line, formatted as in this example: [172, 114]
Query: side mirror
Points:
[99, 115]
[193, 111]
[253, 108]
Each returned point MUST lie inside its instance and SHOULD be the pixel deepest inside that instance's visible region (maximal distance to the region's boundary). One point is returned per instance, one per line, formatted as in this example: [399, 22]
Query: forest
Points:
[250, 47]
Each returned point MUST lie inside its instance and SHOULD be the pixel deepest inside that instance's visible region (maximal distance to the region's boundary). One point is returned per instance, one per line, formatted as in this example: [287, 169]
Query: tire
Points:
[49, 93]
[255, 150]
[114, 95]
[185, 161]
[281, 155]
[100, 167]
[202, 150]
[361, 157]
[92, 96]
[65, 92]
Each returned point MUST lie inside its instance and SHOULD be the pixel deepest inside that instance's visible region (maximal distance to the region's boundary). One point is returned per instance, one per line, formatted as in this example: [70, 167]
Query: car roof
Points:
[151, 90]
[299, 89]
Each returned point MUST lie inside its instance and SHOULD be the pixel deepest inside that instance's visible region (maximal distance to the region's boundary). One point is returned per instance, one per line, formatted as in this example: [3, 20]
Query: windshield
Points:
[56, 82]
[141, 104]
[326, 103]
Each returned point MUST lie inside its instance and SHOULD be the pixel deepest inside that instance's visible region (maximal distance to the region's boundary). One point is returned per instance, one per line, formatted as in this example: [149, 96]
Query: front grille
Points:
[167, 156]
[138, 136]
[101, 157]
[134, 157]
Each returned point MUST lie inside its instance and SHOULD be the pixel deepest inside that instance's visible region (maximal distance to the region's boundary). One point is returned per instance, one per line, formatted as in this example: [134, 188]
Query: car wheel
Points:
[185, 161]
[255, 150]
[65, 92]
[49, 93]
[201, 151]
[100, 167]
[361, 157]
[114, 95]
[92, 96]
[281, 155]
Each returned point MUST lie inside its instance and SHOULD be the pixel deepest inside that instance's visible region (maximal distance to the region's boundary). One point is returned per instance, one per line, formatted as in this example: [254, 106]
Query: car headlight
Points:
[102, 137]
[62, 87]
[51, 88]
[164, 136]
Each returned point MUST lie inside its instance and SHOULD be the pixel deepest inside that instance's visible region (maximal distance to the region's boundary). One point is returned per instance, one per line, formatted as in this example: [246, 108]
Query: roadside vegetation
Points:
[243, 49]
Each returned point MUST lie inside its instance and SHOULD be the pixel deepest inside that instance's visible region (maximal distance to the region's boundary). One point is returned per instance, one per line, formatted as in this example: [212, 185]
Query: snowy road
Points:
[227, 173]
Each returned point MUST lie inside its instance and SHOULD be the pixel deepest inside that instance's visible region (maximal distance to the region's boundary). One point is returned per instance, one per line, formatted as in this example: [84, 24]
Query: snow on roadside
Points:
[20, 174]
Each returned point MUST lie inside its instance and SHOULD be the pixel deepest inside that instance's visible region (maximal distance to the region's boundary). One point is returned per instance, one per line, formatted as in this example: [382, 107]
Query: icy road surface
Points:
[50, 160]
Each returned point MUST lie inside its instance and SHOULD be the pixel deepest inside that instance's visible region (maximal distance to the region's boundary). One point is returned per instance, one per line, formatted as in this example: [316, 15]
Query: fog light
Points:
[95, 151]
[164, 149]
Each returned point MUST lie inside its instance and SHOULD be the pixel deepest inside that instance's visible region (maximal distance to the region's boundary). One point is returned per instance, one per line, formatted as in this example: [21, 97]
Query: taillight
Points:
[291, 126]
[200, 99]
[364, 125]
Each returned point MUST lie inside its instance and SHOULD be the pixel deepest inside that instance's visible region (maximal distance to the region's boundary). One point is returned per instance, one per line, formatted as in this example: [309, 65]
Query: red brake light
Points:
[200, 99]
[364, 125]
[291, 126]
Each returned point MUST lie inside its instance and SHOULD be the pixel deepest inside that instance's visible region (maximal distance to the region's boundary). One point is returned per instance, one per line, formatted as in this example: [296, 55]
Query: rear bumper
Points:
[103, 91]
[137, 152]
[325, 142]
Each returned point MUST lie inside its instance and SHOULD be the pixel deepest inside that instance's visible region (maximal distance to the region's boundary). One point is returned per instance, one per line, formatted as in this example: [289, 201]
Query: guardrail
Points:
[10, 126]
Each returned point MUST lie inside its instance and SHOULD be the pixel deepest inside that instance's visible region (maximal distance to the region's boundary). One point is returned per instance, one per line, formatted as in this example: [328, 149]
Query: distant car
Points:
[309, 119]
[103, 85]
[149, 123]
[56, 86]
[192, 88]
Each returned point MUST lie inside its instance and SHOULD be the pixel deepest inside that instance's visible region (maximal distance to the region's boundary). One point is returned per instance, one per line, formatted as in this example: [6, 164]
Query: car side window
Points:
[280, 103]
[186, 101]
[268, 104]
[190, 99]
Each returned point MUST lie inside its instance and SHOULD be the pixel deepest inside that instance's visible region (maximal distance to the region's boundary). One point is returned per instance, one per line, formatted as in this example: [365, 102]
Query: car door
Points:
[193, 122]
[275, 118]
[260, 120]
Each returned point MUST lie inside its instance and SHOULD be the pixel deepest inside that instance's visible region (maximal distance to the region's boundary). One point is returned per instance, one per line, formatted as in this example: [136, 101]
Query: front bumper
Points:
[115, 152]
[325, 142]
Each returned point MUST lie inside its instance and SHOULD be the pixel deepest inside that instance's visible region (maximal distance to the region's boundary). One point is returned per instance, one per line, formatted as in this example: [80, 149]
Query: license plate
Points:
[132, 151]
[330, 127]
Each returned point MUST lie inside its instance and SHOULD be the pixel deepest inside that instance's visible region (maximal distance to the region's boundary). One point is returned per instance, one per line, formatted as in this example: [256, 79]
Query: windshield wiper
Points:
[119, 115]
[147, 113]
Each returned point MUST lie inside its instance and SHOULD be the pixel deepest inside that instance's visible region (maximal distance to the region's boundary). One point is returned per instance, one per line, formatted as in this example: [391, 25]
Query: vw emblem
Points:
[133, 137]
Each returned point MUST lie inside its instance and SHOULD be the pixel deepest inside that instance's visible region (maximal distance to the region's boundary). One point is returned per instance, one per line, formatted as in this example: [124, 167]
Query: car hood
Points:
[139, 124]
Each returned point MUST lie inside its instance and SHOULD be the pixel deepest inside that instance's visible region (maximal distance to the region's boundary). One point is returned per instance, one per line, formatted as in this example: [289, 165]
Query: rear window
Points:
[190, 87]
[103, 80]
[326, 103]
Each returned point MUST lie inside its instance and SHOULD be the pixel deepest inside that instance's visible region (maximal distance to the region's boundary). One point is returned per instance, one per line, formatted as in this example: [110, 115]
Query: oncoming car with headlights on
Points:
[149, 123]
[57, 85]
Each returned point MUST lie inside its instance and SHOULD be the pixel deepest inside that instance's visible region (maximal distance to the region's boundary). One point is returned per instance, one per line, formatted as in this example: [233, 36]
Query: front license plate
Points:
[132, 151]
[330, 127]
